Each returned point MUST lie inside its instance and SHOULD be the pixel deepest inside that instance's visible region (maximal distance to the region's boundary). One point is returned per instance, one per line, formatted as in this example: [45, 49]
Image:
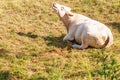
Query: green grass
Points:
[31, 46]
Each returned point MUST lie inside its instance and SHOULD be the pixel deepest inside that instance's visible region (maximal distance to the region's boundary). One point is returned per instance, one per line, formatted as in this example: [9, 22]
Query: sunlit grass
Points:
[31, 46]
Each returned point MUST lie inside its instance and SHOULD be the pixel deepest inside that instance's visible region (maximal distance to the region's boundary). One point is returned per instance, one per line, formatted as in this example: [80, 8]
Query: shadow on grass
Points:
[55, 41]
[4, 75]
[114, 25]
[58, 42]
[3, 53]
[40, 78]
[29, 34]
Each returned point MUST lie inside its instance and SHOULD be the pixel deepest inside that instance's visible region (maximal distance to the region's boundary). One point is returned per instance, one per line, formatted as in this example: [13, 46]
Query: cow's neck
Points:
[67, 21]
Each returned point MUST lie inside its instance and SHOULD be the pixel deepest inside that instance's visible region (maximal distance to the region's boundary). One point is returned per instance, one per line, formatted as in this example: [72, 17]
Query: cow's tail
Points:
[109, 40]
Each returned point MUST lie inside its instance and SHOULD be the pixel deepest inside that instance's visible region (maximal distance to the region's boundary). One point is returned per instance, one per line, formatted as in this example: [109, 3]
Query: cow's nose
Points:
[54, 4]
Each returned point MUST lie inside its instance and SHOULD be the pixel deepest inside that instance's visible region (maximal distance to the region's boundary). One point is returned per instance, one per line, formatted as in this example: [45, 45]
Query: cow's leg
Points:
[83, 43]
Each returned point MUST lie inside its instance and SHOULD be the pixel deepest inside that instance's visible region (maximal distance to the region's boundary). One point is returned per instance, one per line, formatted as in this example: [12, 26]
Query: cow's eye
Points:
[62, 8]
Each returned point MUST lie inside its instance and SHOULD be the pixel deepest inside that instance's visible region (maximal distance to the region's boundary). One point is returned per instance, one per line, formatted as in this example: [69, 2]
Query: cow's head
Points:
[61, 10]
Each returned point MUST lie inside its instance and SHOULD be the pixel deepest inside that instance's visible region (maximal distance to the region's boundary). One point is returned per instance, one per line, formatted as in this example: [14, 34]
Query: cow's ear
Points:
[69, 14]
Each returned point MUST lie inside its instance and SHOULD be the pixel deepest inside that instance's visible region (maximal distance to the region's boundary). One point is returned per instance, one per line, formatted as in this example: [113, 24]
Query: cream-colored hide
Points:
[85, 31]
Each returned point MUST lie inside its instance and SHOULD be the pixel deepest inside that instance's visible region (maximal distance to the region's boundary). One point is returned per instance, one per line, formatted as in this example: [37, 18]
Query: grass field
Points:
[32, 47]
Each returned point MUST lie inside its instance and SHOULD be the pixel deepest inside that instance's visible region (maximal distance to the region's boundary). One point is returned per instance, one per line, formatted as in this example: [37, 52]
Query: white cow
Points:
[85, 31]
